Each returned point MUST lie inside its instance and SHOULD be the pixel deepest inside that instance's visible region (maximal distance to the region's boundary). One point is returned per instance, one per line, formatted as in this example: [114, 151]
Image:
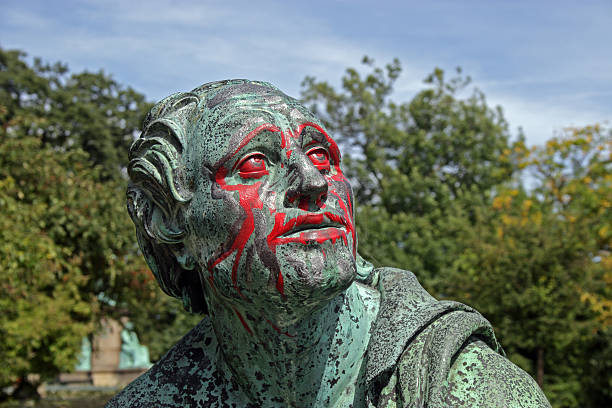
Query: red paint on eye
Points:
[333, 147]
[248, 199]
[320, 159]
[253, 167]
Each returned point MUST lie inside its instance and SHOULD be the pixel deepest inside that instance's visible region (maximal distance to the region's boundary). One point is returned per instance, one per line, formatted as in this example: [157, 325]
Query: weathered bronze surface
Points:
[242, 211]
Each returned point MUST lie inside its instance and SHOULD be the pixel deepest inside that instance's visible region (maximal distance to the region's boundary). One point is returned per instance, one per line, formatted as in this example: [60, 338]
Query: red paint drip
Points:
[279, 331]
[249, 199]
[348, 218]
[244, 323]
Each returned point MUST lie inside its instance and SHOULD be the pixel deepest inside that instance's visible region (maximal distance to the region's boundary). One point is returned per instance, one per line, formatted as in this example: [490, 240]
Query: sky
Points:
[548, 64]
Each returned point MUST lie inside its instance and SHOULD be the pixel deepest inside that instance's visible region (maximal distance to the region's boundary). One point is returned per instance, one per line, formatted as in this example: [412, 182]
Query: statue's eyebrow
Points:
[333, 147]
[265, 127]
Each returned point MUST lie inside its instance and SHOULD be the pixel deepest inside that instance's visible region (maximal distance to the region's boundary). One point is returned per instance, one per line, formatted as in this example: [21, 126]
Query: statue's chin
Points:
[310, 276]
[315, 273]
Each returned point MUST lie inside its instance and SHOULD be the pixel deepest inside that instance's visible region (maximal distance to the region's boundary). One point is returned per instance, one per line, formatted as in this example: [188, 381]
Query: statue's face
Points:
[271, 221]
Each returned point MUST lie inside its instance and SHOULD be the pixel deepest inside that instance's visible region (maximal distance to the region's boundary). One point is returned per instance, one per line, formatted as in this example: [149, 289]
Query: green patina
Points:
[242, 211]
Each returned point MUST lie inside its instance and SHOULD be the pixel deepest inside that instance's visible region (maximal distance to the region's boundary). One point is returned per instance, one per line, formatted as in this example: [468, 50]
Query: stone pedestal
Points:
[105, 351]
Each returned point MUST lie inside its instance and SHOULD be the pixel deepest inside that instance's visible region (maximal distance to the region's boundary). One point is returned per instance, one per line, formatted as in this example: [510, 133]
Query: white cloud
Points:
[541, 119]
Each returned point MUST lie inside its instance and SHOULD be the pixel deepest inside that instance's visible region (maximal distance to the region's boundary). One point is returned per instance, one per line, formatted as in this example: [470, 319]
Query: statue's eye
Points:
[320, 158]
[253, 166]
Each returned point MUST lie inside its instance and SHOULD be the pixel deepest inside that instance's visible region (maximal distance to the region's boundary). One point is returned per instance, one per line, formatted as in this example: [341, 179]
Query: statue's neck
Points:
[317, 361]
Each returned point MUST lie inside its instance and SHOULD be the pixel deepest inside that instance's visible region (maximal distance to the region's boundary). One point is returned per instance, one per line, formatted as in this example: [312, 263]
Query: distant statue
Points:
[132, 353]
[243, 212]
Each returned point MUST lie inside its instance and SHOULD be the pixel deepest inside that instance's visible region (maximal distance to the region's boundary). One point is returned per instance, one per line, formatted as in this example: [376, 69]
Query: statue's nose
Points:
[307, 186]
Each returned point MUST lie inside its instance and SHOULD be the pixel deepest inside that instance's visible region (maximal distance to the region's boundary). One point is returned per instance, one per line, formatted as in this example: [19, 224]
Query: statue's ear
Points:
[167, 231]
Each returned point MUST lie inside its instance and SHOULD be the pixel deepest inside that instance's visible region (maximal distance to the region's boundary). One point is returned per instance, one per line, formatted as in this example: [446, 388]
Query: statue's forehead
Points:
[235, 111]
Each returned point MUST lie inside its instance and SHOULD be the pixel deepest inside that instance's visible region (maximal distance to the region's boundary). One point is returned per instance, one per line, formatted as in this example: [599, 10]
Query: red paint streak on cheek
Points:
[249, 199]
[279, 218]
[348, 217]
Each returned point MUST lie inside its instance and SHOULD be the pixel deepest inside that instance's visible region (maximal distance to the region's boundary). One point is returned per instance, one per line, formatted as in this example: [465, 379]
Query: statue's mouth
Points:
[307, 228]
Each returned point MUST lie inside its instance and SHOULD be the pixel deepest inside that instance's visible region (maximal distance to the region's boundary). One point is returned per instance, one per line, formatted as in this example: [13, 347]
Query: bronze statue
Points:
[242, 211]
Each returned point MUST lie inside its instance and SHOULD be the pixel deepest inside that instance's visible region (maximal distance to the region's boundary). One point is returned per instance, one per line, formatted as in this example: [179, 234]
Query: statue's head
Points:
[237, 193]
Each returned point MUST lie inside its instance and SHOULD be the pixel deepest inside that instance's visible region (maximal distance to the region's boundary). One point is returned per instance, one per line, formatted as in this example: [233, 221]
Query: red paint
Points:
[333, 147]
[244, 323]
[319, 232]
[249, 199]
[320, 159]
[266, 126]
[253, 174]
[279, 330]
[348, 217]
[254, 167]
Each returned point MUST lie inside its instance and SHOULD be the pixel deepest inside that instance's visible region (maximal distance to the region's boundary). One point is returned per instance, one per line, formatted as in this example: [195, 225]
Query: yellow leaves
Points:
[500, 233]
[603, 232]
[537, 218]
[527, 205]
[503, 201]
[498, 203]
[601, 305]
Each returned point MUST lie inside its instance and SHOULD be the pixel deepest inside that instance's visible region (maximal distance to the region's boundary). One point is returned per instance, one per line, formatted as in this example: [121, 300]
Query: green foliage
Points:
[45, 310]
[86, 110]
[416, 167]
[537, 263]
[68, 250]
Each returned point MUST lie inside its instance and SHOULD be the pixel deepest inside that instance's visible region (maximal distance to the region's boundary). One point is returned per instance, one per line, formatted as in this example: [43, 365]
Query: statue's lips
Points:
[309, 227]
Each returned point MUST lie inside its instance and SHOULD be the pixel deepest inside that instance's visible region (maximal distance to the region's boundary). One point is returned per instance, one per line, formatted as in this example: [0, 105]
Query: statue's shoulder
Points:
[423, 348]
[180, 378]
[480, 377]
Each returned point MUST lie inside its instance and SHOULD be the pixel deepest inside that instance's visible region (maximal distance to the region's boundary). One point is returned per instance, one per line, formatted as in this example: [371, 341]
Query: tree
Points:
[416, 167]
[86, 110]
[537, 263]
[68, 251]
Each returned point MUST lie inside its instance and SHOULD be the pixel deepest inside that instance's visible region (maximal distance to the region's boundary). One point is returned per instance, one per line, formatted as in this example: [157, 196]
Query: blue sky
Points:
[547, 63]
